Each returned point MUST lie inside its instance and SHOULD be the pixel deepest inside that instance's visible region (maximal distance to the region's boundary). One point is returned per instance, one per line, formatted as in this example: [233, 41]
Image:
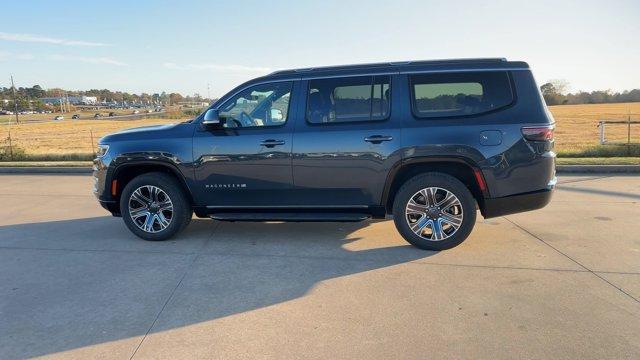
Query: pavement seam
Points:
[98, 250]
[581, 180]
[572, 259]
[184, 275]
[49, 195]
[592, 201]
[416, 262]
[501, 267]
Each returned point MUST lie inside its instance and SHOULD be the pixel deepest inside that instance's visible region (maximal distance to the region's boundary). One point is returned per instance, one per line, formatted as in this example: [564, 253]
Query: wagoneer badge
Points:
[225, 186]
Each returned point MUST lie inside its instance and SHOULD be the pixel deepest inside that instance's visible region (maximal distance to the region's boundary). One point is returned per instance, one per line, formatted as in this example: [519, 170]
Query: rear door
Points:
[345, 142]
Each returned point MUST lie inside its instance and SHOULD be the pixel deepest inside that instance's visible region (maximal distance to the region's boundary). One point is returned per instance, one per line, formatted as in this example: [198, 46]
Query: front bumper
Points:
[494, 207]
[111, 205]
[101, 190]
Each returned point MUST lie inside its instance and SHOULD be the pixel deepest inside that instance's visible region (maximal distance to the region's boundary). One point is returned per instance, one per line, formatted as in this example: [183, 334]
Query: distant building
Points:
[74, 100]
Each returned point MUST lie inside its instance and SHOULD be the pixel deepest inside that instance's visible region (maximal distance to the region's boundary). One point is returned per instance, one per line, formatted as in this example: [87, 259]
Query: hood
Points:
[146, 133]
[150, 128]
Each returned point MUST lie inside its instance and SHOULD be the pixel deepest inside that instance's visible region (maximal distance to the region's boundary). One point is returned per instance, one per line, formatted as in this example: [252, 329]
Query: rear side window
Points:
[459, 94]
[350, 99]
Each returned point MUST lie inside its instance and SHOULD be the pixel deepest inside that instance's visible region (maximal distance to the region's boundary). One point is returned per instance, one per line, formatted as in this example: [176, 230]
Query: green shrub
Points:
[11, 154]
[603, 151]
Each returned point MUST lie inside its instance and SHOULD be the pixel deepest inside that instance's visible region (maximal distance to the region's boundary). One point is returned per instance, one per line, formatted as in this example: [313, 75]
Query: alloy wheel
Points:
[434, 213]
[150, 208]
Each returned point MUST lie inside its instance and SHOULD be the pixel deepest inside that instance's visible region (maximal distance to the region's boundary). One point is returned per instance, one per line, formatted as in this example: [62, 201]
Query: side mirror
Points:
[276, 115]
[211, 118]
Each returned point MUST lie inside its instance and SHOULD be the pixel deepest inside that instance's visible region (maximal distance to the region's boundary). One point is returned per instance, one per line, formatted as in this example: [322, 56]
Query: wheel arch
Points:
[126, 172]
[462, 169]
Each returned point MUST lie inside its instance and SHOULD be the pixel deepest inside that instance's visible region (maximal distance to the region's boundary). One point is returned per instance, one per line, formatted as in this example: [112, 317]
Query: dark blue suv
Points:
[428, 142]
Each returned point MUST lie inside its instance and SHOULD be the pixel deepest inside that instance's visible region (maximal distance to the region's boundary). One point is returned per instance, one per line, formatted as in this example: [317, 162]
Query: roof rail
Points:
[392, 63]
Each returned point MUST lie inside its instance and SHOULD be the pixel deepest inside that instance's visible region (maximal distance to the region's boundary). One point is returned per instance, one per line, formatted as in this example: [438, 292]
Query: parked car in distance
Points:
[112, 114]
[97, 115]
[75, 116]
[59, 117]
[427, 142]
[136, 112]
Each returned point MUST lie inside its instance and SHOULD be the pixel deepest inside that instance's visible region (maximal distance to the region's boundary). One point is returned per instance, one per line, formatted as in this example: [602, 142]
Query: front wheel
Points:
[154, 206]
[434, 211]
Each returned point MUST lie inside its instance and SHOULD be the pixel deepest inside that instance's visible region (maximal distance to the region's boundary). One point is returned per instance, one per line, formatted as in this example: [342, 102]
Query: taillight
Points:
[538, 133]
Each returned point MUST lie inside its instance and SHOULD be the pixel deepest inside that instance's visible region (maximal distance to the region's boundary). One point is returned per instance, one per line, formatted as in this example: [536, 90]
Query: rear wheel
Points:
[434, 211]
[154, 206]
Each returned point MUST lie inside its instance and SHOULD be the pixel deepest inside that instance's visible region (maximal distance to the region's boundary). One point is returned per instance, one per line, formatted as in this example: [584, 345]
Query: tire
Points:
[435, 188]
[168, 188]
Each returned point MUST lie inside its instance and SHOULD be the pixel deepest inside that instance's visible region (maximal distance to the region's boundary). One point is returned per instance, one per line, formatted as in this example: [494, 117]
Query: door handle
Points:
[271, 143]
[377, 139]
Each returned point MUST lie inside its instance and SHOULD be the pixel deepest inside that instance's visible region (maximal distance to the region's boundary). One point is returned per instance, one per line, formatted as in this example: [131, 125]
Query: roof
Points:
[383, 68]
[402, 66]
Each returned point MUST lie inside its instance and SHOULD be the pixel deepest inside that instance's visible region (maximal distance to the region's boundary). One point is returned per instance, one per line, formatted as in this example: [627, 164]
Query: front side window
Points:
[351, 99]
[460, 94]
[258, 106]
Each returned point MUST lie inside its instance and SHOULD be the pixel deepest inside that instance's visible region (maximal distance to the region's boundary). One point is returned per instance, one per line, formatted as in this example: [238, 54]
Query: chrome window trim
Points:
[463, 70]
[350, 75]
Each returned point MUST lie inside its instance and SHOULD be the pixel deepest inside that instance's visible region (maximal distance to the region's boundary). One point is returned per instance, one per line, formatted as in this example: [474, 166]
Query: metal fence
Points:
[628, 123]
[14, 143]
[6, 148]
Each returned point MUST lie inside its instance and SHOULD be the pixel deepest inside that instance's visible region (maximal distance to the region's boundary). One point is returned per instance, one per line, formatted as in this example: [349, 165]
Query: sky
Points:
[208, 47]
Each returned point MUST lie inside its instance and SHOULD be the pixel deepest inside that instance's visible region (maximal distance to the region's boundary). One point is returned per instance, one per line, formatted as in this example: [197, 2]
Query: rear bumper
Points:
[494, 207]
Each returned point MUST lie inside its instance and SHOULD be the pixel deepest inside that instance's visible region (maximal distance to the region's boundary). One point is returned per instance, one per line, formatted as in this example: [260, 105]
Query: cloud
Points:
[12, 56]
[217, 67]
[47, 40]
[86, 59]
[8, 56]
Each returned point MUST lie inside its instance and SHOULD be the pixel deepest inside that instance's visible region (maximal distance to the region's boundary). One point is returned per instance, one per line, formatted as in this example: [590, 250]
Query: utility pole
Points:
[208, 91]
[15, 101]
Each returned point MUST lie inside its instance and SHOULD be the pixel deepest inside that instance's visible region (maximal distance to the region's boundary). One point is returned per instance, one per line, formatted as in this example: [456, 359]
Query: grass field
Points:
[576, 134]
[66, 139]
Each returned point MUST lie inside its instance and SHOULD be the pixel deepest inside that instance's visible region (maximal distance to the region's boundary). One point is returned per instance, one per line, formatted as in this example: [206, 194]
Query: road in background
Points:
[24, 119]
[561, 282]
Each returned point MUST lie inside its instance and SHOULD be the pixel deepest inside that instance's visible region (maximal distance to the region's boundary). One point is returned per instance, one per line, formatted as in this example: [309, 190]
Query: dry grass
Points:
[576, 133]
[598, 161]
[66, 139]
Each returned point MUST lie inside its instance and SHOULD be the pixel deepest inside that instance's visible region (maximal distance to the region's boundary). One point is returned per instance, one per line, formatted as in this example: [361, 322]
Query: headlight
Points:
[102, 150]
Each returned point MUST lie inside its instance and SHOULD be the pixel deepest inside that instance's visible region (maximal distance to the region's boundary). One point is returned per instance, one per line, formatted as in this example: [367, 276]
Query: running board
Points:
[289, 216]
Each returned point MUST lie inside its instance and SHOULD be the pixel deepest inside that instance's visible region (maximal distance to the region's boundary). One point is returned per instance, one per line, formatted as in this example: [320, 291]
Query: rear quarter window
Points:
[444, 95]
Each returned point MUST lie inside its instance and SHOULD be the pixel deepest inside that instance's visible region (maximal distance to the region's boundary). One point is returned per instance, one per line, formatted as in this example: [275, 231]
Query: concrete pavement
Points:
[562, 282]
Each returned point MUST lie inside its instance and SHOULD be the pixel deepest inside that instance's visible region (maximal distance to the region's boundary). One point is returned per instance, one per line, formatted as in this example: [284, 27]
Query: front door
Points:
[247, 160]
[346, 142]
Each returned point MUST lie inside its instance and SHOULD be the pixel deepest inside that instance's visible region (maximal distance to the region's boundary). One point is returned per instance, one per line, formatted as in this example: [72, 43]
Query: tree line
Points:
[555, 93]
[26, 95]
